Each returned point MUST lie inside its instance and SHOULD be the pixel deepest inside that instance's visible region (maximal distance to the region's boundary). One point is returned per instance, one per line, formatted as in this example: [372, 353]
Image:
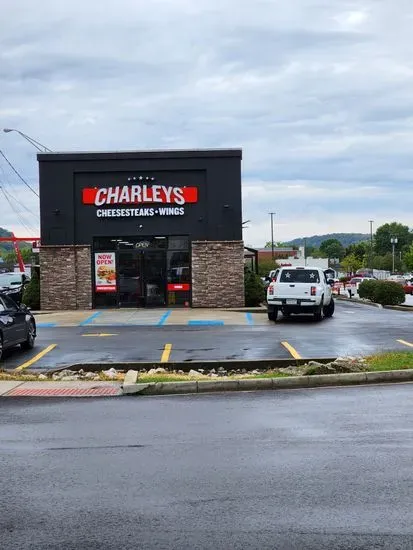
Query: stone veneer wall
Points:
[65, 277]
[217, 274]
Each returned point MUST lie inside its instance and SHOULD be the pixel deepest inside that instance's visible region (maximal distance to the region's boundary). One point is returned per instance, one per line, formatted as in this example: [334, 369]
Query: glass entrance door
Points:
[131, 284]
[154, 270]
[142, 278]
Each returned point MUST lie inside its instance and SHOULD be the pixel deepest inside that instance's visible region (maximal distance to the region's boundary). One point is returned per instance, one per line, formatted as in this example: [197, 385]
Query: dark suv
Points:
[17, 324]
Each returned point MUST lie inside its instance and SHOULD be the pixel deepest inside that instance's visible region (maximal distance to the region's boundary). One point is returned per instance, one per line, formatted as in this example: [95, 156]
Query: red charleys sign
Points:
[139, 194]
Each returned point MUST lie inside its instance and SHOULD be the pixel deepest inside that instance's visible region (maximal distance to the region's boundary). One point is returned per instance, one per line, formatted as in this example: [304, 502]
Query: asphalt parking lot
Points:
[75, 338]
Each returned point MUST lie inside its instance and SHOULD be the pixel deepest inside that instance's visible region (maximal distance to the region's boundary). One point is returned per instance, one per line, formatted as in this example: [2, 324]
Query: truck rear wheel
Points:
[318, 313]
[272, 314]
[329, 310]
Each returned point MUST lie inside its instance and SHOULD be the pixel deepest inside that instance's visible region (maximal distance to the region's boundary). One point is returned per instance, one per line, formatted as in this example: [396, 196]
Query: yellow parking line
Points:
[406, 343]
[36, 357]
[166, 353]
[293, 351]
[100, 335]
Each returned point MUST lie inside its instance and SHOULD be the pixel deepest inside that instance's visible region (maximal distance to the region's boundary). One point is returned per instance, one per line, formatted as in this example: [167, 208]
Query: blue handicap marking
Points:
[45, 325]
[205, 323]
[90, 319]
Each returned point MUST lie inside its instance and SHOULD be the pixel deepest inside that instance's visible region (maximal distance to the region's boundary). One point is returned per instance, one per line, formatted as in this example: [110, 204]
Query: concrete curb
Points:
[357, 301]
[318, 380]
[186, 366]
[408, 309]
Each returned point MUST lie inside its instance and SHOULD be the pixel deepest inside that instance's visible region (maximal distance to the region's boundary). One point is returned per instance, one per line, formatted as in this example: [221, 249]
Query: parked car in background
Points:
[408, 287]
[17, 325]
[401, 279]
[14, 284]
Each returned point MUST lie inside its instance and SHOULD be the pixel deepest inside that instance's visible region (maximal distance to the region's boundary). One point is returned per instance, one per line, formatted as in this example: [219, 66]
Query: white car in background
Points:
[297, 290]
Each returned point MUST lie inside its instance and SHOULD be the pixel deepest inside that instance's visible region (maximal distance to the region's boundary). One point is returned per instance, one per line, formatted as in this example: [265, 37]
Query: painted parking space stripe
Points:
[205, 323]
[36, 357]
[409, 344]
[100, 335]
[166, 353]
[249, 318]
[45, 325]
[163, 319]
[294, 353]
[90, 319]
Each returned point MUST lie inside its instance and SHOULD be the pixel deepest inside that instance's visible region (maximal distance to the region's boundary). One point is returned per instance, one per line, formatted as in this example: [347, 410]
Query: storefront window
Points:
[178, 243]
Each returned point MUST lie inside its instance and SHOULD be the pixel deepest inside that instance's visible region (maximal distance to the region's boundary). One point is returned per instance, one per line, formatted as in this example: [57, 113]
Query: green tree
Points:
[408, 258]
[253, 288]
[278, 244]
[385, 262]
[332, 248]
[360, 250]
[265, 266]
[351, 263]
[31, 294]
[385, 232]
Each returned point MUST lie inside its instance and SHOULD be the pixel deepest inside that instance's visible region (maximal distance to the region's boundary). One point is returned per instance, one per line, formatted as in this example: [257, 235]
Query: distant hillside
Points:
[9, 246]
[346, 239]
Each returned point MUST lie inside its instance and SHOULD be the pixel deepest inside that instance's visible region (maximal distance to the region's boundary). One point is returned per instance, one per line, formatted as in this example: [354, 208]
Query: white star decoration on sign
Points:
[141, 178]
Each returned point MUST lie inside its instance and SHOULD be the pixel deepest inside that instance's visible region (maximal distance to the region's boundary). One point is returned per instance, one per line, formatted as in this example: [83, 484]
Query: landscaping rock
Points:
[42, 377]
[159, 370]
[111, 373]
[193, 372]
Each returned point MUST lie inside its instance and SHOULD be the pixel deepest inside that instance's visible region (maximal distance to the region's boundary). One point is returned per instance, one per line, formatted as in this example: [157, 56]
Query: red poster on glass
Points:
[105, 272]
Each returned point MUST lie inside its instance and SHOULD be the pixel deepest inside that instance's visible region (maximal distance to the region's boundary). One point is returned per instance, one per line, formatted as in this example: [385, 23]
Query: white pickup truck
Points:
[300, 290]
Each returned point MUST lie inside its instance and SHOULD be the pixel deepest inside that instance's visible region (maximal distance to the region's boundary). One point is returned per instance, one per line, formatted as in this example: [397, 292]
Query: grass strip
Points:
[392, 360]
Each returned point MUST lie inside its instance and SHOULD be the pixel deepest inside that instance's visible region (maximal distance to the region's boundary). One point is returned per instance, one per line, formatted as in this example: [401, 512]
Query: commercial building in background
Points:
[137, 229]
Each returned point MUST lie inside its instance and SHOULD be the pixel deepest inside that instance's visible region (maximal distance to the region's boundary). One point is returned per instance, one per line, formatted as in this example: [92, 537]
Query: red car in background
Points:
[408, 287]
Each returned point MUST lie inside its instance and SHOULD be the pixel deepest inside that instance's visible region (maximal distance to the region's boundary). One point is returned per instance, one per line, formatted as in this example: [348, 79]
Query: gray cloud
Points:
[317, 93]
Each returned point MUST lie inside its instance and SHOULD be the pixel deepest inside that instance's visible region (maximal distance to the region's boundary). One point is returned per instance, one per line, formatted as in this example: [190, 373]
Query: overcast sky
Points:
[318, 93]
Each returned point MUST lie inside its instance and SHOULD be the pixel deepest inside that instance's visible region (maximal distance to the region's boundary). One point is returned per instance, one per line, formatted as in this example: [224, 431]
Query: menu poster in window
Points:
[105, 272]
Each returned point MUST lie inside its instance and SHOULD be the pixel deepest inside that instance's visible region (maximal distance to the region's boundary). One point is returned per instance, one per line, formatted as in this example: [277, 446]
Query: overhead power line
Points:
[18, 174]
[18, 214]
[20, 203]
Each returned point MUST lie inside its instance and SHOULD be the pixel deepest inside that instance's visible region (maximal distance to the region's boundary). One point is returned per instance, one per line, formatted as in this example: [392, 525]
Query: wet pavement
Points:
[317, 469]
[354, 330]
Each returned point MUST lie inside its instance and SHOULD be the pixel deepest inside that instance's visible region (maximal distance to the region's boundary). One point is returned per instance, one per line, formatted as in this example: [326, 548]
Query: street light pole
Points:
[393, 241]
[371, 243]
[272, 214]
[39, 146]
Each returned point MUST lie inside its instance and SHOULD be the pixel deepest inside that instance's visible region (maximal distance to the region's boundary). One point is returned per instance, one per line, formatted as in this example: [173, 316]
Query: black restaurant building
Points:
[140, 229]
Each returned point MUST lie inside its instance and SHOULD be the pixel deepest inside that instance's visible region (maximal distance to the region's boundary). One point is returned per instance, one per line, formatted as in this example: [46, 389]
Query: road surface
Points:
[299, 469]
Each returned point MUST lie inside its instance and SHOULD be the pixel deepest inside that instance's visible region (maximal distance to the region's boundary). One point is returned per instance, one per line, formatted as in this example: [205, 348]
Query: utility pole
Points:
[393, 241]
[371, 243]
[272, 214]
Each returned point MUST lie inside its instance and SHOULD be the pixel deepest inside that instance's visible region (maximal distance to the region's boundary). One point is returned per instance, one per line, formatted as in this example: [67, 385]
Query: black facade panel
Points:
[66, 220]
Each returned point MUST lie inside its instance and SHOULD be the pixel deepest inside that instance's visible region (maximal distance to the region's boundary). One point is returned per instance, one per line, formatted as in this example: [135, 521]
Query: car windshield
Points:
[10, 279]
[299, 276]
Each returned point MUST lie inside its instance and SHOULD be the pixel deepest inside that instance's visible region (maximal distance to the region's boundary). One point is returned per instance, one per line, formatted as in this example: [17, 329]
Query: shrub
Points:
[253, 288]
[367, 289]
[31, 294]
[386, 293]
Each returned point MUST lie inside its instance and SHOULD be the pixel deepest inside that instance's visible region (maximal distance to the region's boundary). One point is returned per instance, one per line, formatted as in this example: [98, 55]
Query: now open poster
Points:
[105, 272]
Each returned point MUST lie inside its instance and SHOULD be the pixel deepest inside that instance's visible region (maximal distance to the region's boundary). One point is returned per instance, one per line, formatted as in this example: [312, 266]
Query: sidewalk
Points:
[59, 389]
[156, 317]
